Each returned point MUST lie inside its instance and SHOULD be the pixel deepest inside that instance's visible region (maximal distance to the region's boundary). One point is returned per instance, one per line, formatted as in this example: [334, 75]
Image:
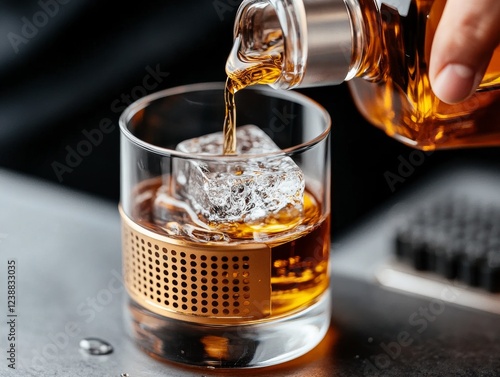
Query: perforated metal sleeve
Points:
[198, 283]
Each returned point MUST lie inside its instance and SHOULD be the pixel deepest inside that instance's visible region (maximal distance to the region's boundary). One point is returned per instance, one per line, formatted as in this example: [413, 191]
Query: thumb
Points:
[467, 35]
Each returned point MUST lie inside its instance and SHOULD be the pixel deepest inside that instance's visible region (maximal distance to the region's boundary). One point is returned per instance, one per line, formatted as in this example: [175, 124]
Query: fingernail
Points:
[455, 83]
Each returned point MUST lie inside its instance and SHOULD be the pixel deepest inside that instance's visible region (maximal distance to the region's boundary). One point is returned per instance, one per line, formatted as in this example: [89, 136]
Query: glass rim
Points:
[296, 97]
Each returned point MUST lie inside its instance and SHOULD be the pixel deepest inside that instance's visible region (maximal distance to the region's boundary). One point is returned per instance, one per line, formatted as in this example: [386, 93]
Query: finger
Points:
[467, 35]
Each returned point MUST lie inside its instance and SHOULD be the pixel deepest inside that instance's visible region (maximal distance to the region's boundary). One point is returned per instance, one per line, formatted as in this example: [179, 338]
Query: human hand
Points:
[467, 35]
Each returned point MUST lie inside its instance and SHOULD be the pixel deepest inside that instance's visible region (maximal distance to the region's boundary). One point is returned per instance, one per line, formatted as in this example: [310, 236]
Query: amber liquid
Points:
[299, 245]
[243, 72]
[399, 99]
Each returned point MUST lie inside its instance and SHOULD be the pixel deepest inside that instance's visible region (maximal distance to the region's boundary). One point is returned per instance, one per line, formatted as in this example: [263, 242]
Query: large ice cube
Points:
[246, 190]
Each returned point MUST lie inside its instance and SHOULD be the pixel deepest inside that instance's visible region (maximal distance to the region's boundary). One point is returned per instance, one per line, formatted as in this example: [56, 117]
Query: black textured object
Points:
[455, 238]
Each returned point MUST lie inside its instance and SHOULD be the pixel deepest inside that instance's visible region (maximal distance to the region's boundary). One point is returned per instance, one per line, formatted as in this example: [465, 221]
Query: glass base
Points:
[234, 346]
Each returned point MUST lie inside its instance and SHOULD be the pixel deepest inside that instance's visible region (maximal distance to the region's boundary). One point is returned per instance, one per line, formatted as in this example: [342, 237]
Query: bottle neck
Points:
[321, 41]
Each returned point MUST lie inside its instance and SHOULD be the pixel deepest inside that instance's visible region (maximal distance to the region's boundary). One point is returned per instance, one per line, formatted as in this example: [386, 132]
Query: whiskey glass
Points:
[213, 279]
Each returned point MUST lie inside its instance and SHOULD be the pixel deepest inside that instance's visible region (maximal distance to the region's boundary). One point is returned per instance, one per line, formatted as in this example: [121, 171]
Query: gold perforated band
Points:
[202, 283]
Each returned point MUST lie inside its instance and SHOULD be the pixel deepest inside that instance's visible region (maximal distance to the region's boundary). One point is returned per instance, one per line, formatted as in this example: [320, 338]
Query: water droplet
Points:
[95, 346]
[124, 375]
[370, 340]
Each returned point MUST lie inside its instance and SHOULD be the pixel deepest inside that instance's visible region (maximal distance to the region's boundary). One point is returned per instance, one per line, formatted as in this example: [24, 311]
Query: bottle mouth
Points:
[314, 38]
[270, 30]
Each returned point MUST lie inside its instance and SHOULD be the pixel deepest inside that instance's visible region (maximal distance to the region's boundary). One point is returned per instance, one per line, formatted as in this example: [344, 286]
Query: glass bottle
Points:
[381, 48]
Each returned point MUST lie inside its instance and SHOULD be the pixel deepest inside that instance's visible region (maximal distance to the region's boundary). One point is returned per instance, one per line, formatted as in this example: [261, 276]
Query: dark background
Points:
[66, 75]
